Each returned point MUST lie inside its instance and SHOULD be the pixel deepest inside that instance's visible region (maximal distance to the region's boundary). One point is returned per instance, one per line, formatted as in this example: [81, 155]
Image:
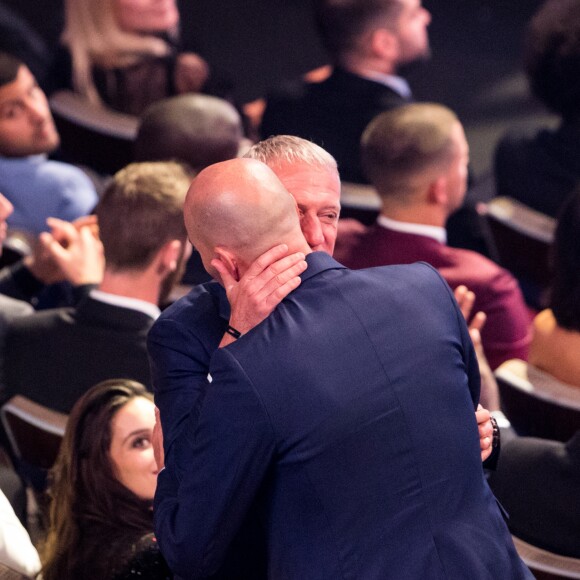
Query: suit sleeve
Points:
[229, 442]
[179, 364]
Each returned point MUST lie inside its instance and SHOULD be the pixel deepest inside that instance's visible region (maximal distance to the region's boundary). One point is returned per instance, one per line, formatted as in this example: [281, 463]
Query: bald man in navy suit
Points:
[326, 419]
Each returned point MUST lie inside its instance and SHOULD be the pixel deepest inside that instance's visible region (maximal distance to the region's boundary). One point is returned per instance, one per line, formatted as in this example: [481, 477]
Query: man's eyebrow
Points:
[326, 207]
[10, 102]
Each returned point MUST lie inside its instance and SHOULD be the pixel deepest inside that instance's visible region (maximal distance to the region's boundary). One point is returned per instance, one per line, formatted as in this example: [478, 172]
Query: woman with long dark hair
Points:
[102, 488]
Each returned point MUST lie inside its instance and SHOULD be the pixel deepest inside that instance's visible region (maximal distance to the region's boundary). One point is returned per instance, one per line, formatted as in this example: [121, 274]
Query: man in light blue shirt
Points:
[36, 186]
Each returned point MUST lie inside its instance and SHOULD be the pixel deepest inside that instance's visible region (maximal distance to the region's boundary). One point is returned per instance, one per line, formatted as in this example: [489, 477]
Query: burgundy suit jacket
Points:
[507, 332]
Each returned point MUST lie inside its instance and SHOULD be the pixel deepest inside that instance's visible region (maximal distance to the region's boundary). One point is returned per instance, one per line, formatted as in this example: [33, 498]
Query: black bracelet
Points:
[495, 436]
[233, 332]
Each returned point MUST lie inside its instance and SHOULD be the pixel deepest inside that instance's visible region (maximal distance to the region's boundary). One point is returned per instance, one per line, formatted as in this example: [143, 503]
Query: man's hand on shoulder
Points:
[268, 280]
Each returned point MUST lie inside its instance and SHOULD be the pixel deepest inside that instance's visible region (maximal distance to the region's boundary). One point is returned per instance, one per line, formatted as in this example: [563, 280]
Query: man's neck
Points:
[364, 66]
[140, 285]
[424, 215]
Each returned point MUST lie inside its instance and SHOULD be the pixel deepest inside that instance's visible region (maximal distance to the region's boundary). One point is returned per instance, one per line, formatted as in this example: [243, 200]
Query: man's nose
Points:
[312, 230]
[36, 110]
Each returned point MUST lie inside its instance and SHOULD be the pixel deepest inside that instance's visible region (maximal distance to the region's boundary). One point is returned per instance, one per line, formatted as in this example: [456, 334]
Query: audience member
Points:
[556, 338]
[541, 170]
[124, 53]
[102, 489]
[198, 130]
[70, 252]
[194, 129]
[16, 549]
[416, 157]
[537, 481]
[38, 188]
[368, 40]
[299, 432]
[55, 356]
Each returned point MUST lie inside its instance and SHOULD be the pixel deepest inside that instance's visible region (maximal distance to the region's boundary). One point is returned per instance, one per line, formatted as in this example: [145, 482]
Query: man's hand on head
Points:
[268, 280]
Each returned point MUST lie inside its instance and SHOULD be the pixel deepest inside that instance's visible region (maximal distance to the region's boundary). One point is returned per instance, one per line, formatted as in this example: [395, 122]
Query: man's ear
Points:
[384, 45]
[170, 255]
[229, 261]
[437, 194]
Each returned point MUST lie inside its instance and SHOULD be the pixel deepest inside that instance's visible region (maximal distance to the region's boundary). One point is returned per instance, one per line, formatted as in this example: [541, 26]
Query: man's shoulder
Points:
[386, 279]
[58, 173]
[473, 269]
[201, 311]
[41, 322]
[200, 300]
[10, 308]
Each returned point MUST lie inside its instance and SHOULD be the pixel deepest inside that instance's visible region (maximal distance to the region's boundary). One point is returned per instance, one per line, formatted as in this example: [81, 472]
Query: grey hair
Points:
[290, 149]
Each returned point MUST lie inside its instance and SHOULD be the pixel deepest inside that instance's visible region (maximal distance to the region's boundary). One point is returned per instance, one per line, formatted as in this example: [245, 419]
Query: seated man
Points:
[416, 157]
[53, 356]
[368, 41]
[37, 187]
[332, 436]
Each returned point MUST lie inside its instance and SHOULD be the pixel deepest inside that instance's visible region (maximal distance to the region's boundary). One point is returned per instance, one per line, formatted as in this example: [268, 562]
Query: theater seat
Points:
[97, 137]
[359, 202]
[547, 565]
[522, 238]
[537, 404]
[34, 433]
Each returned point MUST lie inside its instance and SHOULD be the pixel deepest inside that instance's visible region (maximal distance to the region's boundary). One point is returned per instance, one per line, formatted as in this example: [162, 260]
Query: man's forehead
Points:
[303, 178]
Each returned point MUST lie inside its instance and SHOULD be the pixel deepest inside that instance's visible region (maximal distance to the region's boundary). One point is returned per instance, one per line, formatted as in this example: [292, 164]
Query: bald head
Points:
[242, 208]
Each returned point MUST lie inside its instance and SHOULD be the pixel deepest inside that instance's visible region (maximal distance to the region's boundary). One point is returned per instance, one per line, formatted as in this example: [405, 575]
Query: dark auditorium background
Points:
[252, 45]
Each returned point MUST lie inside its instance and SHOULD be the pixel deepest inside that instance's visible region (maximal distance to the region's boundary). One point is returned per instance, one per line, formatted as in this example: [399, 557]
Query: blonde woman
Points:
[124, 53]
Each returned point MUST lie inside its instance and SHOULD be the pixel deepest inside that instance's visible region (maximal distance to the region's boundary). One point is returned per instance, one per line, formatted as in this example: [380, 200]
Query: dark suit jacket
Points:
[540, 170]
[507, 332]
[537, 481]
[327, 419]
[333, 114]
[54, 356]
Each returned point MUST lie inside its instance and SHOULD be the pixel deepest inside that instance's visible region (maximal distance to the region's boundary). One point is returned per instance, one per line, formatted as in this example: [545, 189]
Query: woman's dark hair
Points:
[93, 517]
[552, 56]
[565, 293]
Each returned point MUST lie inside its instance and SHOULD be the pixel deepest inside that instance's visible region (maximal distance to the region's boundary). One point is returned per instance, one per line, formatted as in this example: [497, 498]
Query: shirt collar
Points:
[148, 308]
[398, 84]
[439, 234]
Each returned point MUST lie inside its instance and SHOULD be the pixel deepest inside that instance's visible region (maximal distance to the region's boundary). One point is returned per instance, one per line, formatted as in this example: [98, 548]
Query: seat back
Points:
[360, 202]
[537, 404]
[34, 431]
[522, 238]
[547, 565]
[94, 136]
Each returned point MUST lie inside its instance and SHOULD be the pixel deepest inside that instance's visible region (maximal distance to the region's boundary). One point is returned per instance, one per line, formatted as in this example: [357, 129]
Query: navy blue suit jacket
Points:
[345, 422]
